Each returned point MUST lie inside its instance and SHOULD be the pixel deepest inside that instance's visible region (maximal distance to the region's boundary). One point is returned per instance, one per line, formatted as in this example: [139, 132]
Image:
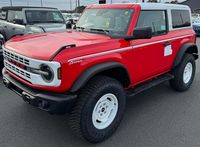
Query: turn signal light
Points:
[59, 73]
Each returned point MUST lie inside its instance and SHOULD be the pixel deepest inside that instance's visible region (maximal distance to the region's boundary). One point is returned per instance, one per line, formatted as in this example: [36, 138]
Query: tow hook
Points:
[6, 82]
[27, 97]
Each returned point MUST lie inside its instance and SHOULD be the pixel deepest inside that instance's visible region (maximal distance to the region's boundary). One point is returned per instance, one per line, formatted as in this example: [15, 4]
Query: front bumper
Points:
[51, 102]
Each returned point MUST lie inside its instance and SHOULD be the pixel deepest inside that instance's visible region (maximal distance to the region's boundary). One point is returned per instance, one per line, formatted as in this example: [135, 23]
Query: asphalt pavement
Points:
[158, 117]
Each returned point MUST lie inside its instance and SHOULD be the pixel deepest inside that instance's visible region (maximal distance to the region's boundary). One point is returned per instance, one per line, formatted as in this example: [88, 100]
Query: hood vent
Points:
[61, 49]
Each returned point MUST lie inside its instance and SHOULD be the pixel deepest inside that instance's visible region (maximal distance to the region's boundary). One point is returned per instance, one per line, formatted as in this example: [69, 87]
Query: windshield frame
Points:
[46, 10]
[111, 31]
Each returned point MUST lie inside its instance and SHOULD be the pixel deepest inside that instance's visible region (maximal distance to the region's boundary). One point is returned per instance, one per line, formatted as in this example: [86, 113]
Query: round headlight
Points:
[49, 76]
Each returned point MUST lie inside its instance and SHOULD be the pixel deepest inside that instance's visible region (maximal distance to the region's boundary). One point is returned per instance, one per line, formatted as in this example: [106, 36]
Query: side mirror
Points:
[18, 21]
[140, 33]
[68, 25]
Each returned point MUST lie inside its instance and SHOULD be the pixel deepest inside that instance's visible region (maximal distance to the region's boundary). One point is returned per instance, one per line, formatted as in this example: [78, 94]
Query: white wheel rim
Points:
[105, 111]
[187, 74]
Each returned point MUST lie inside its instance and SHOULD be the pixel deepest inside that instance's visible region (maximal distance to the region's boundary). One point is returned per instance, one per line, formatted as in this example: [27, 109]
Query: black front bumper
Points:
[52, 102]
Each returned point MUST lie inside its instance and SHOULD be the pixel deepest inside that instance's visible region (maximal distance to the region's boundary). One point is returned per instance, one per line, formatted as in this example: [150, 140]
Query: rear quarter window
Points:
[180, 18]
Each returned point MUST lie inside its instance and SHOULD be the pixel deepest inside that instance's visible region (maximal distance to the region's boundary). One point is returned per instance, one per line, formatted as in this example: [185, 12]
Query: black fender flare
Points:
[2, 32]
[92, 71]
[186, 48]
[2, 39]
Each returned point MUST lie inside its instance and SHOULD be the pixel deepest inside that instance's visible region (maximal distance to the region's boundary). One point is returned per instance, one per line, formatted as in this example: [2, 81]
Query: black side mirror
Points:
[140, 33]
[69, 25]
[18, 21]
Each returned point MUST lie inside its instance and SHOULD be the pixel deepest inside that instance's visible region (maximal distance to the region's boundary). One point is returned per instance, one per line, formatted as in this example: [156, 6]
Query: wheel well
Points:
[2, 32]
[190, 48]
[111, 69]
[117, 73]
[2, 39]
[193, 50]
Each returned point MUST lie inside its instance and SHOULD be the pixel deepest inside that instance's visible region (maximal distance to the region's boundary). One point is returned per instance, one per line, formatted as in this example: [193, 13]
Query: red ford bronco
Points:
[114, 51]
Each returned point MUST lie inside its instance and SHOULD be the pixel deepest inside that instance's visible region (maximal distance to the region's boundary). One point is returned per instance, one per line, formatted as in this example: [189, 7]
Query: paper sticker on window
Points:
[168, 50]
[163, 27]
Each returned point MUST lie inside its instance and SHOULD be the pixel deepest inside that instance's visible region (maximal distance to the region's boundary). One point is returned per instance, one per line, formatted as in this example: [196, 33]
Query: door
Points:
[12, 27]
[149, 54]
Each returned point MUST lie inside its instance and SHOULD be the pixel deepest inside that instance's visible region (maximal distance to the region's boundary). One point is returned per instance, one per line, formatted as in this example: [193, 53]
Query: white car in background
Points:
[20, 20]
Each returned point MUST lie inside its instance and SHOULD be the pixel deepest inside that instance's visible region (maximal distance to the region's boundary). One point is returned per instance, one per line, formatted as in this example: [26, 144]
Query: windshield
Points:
[12, 15]
[112, 21]
[44, 16]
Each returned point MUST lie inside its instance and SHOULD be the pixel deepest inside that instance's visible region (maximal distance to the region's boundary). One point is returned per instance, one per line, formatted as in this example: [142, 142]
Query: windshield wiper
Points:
[55, 21]
[80, 28]
[107, 32]
[101, 30]
[35, 21]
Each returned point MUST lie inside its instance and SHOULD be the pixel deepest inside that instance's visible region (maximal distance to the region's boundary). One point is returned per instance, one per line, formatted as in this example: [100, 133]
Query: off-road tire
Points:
[81, 115]
[178, 83]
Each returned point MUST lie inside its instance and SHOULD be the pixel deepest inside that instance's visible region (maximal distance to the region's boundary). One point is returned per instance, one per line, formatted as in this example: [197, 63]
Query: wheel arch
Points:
[2, 32]
[115, 70]
[190, 48]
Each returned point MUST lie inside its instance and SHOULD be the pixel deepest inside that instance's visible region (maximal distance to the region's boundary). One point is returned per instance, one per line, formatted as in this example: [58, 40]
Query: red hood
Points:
[44, 46]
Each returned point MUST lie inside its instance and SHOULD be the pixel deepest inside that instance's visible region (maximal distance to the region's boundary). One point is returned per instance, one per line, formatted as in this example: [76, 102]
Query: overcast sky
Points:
[60, 4]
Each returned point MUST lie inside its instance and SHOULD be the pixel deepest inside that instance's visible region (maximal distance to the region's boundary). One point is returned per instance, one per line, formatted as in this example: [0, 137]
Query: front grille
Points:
[16, 70]
[20, 66]
[16, 58]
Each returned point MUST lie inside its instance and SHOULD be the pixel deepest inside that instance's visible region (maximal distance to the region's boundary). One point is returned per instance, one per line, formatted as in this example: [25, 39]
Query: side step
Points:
[149, 84]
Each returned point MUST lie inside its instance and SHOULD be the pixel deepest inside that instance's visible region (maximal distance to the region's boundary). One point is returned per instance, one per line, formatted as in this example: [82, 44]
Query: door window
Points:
[154, 19]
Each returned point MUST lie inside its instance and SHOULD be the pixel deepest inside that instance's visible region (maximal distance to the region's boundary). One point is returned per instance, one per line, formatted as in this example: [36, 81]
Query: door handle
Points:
[167, 43]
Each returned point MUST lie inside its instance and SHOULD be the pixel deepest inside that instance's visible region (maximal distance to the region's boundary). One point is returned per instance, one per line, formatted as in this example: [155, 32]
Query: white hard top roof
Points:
[154, 5]
[162, 6]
